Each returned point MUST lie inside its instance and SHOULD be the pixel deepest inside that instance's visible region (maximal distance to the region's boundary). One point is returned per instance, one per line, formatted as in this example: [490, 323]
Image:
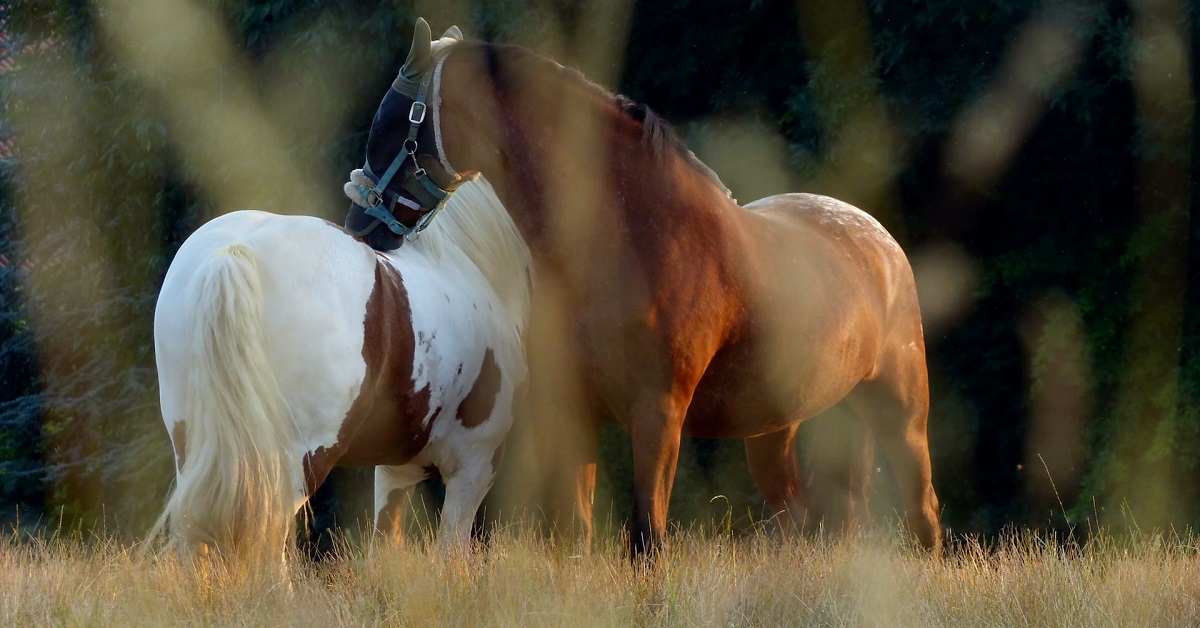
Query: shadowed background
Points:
[1035, 159]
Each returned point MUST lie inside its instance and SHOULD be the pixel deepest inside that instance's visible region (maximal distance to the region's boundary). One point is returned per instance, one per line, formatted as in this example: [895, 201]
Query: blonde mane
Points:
[475, 223]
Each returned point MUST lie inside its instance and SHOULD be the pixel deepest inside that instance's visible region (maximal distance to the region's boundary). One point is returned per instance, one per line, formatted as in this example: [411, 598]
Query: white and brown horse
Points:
[286, 346]
[679, 312]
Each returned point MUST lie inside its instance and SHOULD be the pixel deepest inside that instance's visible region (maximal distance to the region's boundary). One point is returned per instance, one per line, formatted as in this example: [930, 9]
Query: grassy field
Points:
[706, 580]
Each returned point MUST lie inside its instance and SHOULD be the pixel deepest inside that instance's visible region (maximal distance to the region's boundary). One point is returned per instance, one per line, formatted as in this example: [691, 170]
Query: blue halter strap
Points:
[430, 197]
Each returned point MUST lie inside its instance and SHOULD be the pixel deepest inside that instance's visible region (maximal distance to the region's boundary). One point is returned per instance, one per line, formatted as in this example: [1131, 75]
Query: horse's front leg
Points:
[577, 483]
[585, 499]
[655, 424]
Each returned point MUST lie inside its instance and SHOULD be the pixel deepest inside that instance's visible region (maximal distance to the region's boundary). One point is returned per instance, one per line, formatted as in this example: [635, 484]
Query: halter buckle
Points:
[416, 113]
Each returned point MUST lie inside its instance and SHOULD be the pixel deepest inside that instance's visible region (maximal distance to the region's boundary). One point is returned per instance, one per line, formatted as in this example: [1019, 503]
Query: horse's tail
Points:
[234, 490]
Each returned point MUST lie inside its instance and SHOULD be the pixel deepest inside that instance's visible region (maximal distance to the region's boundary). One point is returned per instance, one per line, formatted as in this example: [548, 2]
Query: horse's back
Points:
[825, 217]
[858, 259]
[833, 248]
[293, 254]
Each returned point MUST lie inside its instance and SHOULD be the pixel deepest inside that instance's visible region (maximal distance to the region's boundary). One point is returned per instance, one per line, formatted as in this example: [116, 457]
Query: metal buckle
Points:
[416, 113]
[374, 198]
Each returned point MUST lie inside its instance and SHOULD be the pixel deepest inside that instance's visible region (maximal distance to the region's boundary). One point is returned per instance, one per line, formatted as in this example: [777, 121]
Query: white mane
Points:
[475, 223]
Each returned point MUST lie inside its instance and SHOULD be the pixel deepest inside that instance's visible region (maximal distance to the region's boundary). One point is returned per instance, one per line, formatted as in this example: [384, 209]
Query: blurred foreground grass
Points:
[707, 580]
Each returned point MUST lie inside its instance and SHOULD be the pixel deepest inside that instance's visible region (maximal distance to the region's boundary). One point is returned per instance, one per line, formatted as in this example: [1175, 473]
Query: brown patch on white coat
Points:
[386, 423]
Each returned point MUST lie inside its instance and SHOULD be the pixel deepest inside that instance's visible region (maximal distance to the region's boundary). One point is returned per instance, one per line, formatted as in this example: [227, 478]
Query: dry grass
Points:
[705, 581]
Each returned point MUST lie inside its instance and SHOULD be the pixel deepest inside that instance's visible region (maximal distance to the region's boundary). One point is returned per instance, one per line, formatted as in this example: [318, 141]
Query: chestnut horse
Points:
[285, 346]
[672, 310]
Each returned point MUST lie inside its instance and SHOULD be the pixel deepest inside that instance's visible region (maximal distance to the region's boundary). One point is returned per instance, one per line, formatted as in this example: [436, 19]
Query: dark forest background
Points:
[1037, 160]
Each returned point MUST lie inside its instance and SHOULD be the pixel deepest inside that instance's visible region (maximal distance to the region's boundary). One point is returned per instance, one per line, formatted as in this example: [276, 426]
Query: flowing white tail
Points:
[235, 487]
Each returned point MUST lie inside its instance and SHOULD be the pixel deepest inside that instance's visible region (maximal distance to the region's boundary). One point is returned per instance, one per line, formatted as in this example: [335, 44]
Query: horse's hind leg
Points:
[393, 500]
[776, 472]
[465, 490]
[839, 456]
[896, 405]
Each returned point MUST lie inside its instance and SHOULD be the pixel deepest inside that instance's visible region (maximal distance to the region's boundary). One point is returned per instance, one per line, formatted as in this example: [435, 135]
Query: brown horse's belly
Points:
[722, 410]
[740, 396]
[719, 410]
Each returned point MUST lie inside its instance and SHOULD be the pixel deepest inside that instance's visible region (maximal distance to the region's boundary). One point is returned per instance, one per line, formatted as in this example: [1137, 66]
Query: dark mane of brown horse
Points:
[657, 134]
[510, 65]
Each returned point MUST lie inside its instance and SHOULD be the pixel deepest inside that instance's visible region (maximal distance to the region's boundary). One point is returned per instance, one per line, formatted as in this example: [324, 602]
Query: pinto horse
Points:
[679, 312]
[285, 346]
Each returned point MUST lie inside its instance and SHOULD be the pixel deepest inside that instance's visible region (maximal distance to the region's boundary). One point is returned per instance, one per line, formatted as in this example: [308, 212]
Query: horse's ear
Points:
[419, 54]
[453, 33]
